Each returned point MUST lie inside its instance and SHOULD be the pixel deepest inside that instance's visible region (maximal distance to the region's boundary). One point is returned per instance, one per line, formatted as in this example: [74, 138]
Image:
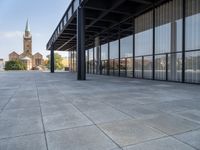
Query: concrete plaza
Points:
[43, 111]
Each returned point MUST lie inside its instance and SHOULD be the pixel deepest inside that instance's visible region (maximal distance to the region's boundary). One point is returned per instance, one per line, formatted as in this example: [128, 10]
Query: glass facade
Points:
[114, 58]
[144, 45]
[192, 41]
[73, 61]
[91, 60]
[104, 59]
[165, 46]
[126, 56]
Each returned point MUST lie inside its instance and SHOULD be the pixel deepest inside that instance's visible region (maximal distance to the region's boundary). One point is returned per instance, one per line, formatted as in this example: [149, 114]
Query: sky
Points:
[43, 16]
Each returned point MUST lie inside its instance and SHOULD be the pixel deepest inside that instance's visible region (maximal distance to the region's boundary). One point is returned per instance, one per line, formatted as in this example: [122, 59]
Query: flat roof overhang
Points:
[107, 19]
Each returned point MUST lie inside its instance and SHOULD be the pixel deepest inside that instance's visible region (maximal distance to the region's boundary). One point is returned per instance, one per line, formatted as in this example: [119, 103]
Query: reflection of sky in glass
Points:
[104, 52]
[126, 46]
[163, 38]
[114, 47]
[144, 43]
[193, 32]
[90, 54]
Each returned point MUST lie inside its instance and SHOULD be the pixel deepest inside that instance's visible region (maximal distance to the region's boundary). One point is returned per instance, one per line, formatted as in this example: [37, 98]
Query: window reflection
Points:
[126, 54]
[104, 59]
[91, 61]
[114, 58]
[192, 59]
[144, 45]
[168, 39]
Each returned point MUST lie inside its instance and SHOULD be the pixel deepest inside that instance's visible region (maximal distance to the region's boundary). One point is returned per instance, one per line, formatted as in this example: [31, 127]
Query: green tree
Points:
[57, 62]
[15, 65]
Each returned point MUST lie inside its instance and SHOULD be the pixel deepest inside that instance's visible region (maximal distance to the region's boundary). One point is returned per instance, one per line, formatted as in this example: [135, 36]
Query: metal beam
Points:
[142, 1]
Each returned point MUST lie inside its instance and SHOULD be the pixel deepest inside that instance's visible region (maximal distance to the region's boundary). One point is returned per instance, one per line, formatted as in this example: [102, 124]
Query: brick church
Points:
[31, 61]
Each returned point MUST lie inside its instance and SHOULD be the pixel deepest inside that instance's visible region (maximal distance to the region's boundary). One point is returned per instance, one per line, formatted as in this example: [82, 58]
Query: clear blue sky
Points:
[43, 16]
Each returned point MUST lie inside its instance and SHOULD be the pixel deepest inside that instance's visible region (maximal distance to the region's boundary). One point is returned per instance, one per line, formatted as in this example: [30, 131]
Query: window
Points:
[144, 45]
[91, 61]
[168, 41]
[192, 41]
[126, 54]
[104, 59]
[114, 58]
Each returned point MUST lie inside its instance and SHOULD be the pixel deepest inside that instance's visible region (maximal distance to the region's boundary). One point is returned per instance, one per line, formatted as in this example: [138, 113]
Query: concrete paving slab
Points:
[167, 143]
[69, 118]
[193, 115]
[171, 125]
[18, 127]
[23, 103]
[129, 132]
[84, 138]
[30, 142]
[24, 113]
[192, 138]
[106, 115]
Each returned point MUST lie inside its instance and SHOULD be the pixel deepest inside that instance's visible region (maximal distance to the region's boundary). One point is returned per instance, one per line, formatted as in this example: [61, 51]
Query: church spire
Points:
[27, 29]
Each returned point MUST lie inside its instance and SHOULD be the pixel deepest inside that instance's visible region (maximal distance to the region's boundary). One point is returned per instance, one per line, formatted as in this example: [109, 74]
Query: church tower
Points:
[27, 40]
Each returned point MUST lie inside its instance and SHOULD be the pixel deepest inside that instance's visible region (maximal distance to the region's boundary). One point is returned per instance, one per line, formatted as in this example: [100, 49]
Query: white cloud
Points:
[9, 35]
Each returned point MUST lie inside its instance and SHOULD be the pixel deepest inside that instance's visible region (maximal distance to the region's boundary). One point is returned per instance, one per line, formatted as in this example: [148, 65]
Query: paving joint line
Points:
[118, 146]
[42, 120]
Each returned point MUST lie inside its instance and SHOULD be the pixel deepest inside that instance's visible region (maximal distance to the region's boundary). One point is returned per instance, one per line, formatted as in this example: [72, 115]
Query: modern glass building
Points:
[148, 39]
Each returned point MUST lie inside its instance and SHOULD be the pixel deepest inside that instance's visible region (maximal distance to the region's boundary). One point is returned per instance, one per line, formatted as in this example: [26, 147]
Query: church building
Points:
[31, 61]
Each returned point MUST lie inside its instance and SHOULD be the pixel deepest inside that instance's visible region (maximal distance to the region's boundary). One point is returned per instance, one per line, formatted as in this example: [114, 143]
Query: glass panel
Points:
[111, 67]
[144, 34]
[126, 47]
[114, 56]
[104, 66]
[86, 61]
[160, 67]
[91, 61]
[148, 64]
[123, 67]
[175, 67]
[192, 24]
[169, 27]
[116, 67]
[95, 60]
[126, 50]
[104, 52]
[138, 67]
[104, 58]
[130, 67]
[168, 39]
[192, 67]
[114, 49]
[75, 68]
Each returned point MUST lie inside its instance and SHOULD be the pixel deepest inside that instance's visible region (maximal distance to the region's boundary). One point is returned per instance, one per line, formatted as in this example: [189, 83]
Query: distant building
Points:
[31, 61]
[1, 64]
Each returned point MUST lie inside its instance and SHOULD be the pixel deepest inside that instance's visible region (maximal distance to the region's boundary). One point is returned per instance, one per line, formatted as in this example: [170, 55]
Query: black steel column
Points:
[183, 42]
[52, 60]
[81, 74]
